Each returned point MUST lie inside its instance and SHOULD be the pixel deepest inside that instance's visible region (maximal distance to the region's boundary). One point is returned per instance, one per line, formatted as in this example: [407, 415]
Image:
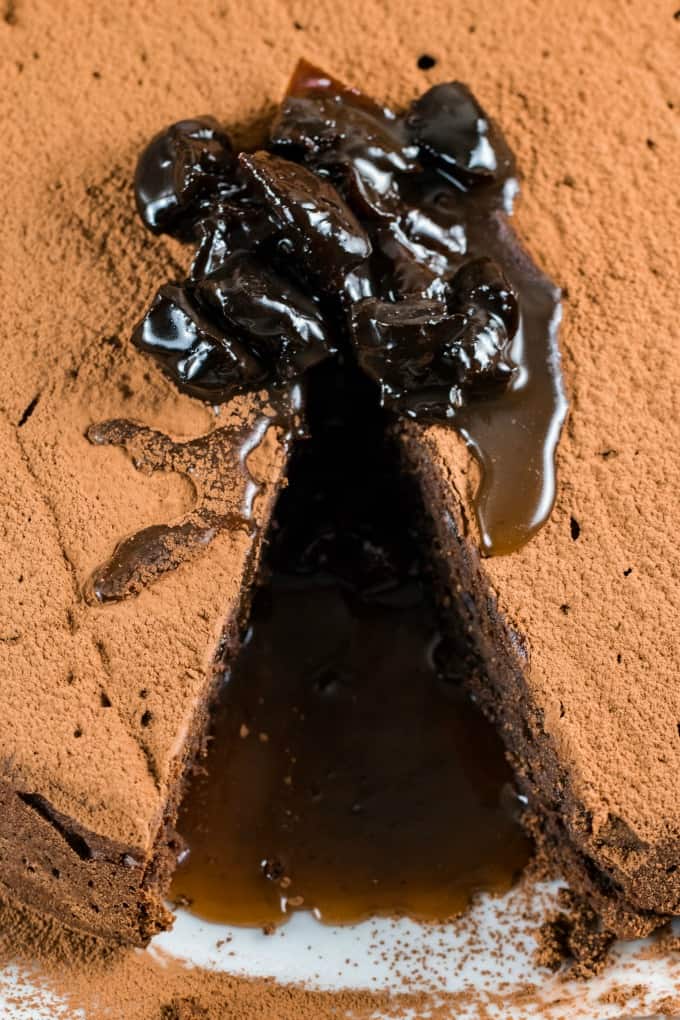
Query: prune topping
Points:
[230, 227]
[397, 343]
[377, 237]
[179, 172]
[326, 122]
[450, 126]
[200, 356]
[424, 357]
[405, 268]
[479, 352]
[313, 222]
[281, 322]
[481, 284]
[340, 131]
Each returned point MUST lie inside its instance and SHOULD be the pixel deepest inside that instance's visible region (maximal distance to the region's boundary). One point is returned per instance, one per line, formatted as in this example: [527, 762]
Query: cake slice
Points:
[104, 705]
[577, 642]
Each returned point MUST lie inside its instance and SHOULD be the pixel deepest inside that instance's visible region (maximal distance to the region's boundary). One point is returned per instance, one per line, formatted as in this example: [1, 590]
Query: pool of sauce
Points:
[348, 773]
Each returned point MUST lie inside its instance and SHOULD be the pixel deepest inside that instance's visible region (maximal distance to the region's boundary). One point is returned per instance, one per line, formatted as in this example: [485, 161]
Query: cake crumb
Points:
[572, 937]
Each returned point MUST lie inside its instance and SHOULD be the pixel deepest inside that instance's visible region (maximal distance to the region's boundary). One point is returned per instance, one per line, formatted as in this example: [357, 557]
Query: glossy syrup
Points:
[349, 773]
[437, 221]
[514, 435]
[225, 492]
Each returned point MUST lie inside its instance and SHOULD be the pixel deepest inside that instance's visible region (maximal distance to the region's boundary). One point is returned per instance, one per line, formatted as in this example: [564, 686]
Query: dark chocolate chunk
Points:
[180, 172]
[200, 356]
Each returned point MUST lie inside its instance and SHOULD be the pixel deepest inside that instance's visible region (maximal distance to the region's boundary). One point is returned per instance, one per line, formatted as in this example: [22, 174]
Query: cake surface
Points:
[587, 98]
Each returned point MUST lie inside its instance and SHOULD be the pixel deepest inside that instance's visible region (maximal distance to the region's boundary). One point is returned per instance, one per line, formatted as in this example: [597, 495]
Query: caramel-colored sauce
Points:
[514, 435]
[216, 464]
[348, 772]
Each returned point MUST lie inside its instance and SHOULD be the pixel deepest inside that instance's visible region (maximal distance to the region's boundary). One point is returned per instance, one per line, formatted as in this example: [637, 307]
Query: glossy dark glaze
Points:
[349, 772]
[182, 168]
[217, 466]
[388, 234]
[424, 238]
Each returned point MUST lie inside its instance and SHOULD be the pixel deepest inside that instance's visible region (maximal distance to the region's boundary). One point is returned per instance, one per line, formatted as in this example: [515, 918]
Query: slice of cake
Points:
[104, 706]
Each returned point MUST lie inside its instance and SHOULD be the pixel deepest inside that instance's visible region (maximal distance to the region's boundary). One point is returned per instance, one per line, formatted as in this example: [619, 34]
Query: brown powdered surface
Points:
[110, 983]
[587, 96]
[590, 107]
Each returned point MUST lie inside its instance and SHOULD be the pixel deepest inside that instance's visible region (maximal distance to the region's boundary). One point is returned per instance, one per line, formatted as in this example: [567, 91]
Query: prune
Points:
[342, 132]
[481, 284]
[397, 344]
[425, 358]
[450, 126]
[179, 172]
[403, 267]
[280, 321]
[203, 359]
[478, 353]
[230, 227]
[320, 116]
[441, 241]
[313, 223]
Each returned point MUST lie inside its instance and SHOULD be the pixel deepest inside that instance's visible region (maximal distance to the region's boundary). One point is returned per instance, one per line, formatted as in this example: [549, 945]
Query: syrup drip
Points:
[217, 466]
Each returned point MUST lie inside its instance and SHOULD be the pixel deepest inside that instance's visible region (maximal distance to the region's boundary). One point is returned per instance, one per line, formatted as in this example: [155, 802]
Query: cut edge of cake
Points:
[632, 886]
[53, 863]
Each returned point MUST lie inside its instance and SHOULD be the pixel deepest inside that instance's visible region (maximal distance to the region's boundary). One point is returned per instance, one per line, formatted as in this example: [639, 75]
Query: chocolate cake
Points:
[140, 476]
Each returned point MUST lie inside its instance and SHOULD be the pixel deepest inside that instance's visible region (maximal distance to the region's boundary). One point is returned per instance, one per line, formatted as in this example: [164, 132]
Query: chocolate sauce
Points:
[514, 434]
[215, 464]
[349, 773]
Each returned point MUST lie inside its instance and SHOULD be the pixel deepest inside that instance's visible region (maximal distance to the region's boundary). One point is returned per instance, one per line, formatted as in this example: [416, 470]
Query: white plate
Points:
[369, 955]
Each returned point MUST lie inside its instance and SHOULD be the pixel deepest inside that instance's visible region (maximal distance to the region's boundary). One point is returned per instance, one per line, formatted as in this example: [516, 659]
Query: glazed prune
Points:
[314, 224]
[404, 268]
[478, 353]
[397, 344]
[179, 172]
[230, 227]
[280, 321]
[481, 284]
[450, 126]
[424, 358]
[341, 132]
[203, 359]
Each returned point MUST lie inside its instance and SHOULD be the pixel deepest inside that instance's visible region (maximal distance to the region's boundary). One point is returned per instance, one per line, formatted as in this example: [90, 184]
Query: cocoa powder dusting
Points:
[580, 91]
